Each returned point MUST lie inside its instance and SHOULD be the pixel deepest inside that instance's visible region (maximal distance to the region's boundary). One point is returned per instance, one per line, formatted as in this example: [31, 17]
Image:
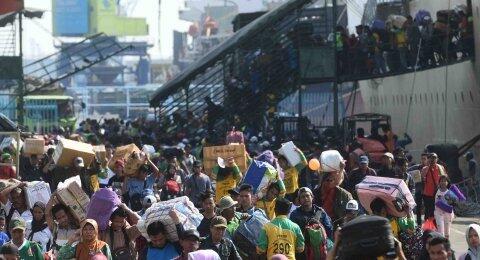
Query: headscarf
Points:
[474, 252]
[38, 226]
[203, 255]
[87, 249]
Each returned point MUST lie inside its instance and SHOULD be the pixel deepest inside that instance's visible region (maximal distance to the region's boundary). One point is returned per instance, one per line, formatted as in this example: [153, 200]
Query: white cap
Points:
[352, 205]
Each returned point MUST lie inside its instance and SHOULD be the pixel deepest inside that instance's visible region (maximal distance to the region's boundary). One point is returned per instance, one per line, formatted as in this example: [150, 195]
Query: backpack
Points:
[171, 189]
[316, 248]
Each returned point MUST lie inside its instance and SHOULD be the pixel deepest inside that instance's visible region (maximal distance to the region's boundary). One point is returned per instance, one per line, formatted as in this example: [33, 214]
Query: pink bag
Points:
[235, 137]
[102, 204]
[393, 191]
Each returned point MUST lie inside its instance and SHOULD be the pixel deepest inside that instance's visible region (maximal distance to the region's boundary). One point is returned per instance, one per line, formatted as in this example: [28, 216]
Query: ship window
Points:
[463, 97]
[455, 93]
[426, 99]
[420, 96]
[437, 97]
[471, 96]
[443, 97]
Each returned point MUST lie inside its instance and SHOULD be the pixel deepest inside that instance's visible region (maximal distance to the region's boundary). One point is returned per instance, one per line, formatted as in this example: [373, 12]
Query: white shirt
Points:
[41, 237]
[26, 215]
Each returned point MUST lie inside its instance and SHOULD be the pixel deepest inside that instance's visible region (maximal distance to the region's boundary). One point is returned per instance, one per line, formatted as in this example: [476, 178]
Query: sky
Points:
[39, 42]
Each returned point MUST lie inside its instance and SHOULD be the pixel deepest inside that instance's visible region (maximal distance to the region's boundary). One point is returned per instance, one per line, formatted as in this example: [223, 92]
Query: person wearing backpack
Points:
[171, 187]
[281, 235]
[120, 235]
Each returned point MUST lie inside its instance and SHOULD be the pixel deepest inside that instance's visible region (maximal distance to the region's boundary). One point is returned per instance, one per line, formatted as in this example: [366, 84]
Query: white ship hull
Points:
[460, 83]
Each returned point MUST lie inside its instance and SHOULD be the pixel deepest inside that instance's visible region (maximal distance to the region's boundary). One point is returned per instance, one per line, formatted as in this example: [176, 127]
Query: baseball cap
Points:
[352, 205]
[218, 221]
[225, 203]
[363, 159]
[78, 161]
[389, 155]
[432, 155]
[17, 223]
[191, 233]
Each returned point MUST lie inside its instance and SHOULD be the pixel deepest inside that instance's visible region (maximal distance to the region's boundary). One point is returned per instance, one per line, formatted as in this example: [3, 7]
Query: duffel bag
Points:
[247, 233]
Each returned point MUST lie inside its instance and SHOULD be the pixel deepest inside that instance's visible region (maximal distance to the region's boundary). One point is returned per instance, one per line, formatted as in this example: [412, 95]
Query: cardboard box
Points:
[37, 191]
[101, 154]
[72, 196]
[123, 153]
[133, 164]
[67, 150]
[34, 146]
[210, 155]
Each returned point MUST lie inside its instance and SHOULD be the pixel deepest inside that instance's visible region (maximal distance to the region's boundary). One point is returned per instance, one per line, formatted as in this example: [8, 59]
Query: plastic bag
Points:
[429, 224]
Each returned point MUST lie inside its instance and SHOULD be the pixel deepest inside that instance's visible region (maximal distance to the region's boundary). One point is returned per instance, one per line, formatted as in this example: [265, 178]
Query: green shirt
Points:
[30, 250]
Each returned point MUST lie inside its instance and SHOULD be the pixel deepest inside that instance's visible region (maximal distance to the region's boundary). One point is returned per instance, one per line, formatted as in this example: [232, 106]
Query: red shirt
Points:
[7, 172]
[431, 180]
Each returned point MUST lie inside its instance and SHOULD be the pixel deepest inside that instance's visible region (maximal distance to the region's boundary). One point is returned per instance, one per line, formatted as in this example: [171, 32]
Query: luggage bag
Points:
[366, 236]
[393, 191]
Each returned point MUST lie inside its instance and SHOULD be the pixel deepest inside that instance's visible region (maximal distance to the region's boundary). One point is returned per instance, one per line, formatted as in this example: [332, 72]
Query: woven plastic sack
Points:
[102, 204]
[188, 214]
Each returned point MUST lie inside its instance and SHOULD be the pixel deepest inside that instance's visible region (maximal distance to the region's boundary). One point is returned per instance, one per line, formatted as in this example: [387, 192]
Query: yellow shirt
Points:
[223, 186]
[281, 236]
[268, 207]
[291, 180]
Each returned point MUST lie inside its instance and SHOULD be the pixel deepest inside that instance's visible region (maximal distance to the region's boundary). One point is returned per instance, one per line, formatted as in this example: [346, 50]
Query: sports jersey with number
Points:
[280, 236]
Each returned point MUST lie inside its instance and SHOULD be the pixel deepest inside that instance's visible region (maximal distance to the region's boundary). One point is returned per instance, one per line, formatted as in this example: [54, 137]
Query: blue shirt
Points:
[136, 186]
[3, 238]
[168, 252]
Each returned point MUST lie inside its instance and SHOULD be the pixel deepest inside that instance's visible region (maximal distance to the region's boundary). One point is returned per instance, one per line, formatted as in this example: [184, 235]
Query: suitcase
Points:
[366, 236]
[245, 237]
[393, 191]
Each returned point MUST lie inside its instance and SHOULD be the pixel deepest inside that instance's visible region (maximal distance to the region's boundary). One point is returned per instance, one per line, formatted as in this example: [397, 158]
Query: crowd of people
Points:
[405, 43]
[305, 208]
